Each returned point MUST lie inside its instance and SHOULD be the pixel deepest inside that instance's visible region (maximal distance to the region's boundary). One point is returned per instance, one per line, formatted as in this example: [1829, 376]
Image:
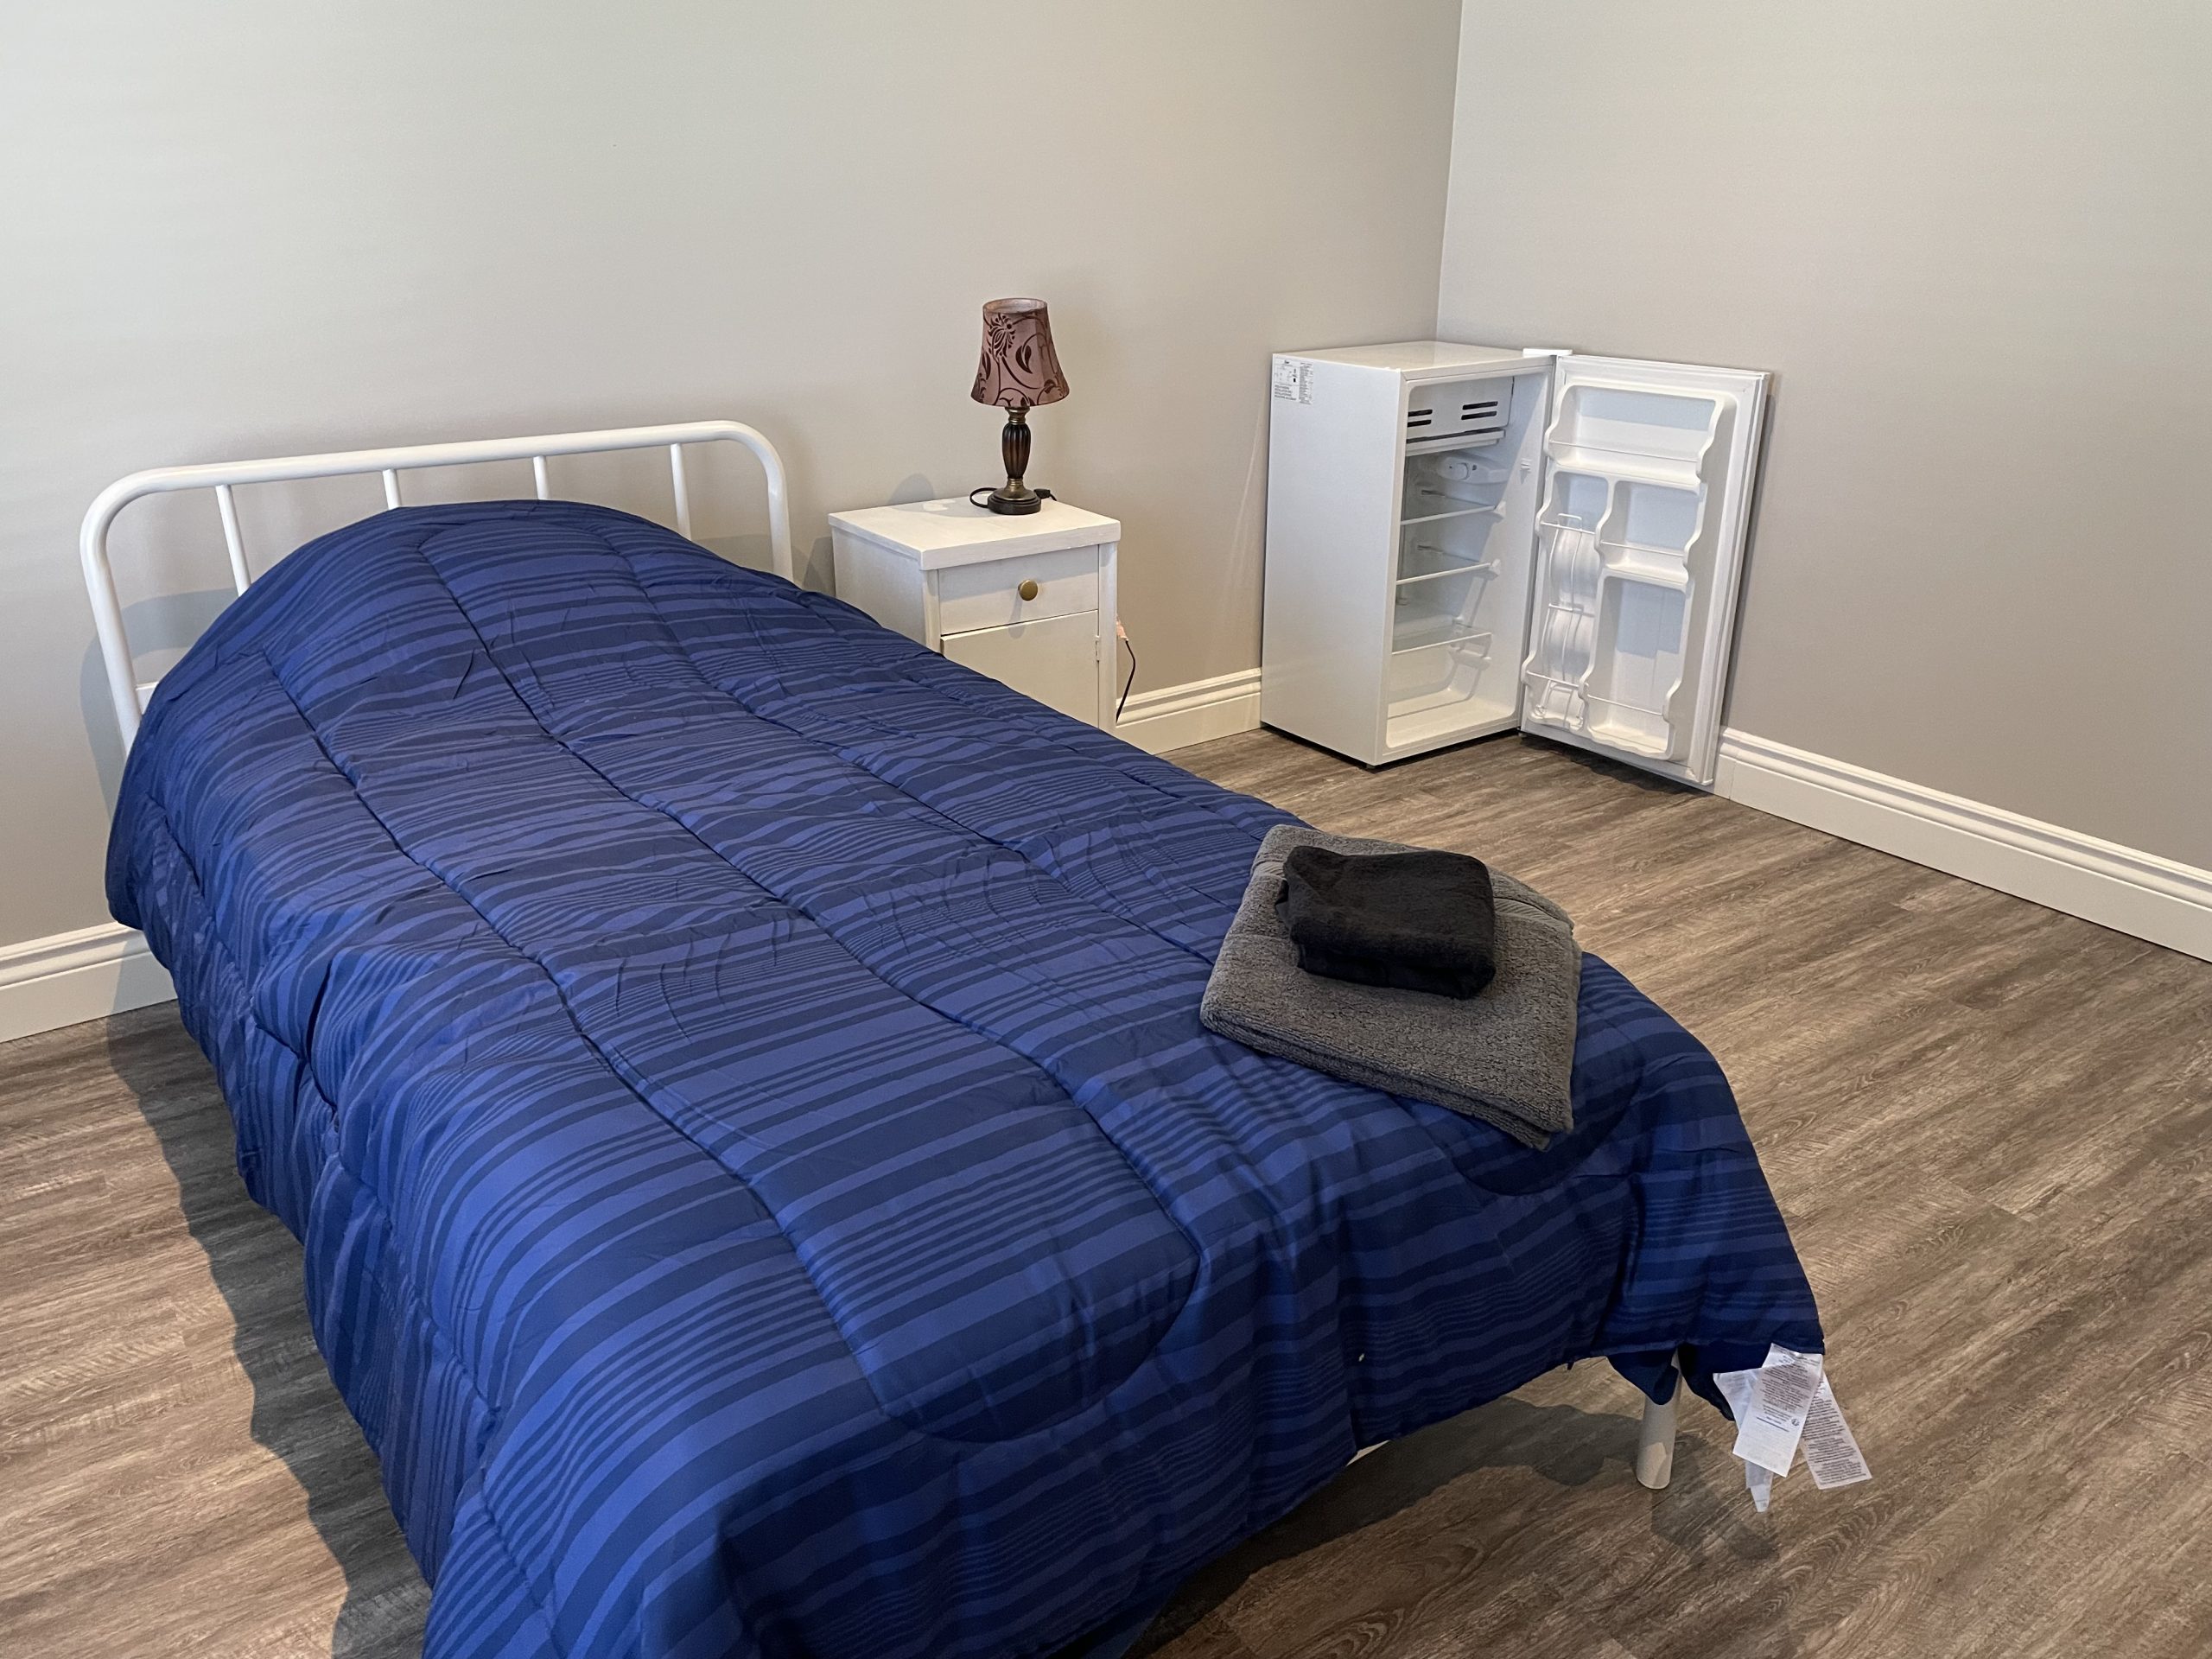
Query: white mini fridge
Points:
[1466, 539]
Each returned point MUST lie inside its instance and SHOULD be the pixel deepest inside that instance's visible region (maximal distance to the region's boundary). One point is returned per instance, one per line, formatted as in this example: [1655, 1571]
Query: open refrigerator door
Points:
[1647, 472]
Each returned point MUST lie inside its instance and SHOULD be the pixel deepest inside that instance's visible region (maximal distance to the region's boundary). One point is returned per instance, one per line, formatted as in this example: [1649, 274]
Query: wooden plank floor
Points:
[1990, 1126]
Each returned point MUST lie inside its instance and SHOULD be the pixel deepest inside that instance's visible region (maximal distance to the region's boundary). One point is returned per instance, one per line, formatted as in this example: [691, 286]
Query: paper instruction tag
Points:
[1736, 1389]
[1761, 1483]
[1777, 1399]
[1832, 1456]
[1294, 380]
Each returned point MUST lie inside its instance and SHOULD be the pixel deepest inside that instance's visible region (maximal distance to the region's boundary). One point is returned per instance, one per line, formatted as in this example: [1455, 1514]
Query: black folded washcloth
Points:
[1420, 921]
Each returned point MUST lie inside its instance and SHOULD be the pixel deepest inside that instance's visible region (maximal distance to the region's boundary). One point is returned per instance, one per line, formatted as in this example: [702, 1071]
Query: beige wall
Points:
[1974, 243]
[252, 229]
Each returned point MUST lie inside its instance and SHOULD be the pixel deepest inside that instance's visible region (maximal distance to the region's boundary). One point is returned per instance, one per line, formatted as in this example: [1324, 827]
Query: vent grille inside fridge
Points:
[1462, 414]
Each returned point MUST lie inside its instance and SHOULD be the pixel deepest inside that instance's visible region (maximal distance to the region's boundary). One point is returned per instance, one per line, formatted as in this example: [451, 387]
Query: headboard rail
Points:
[224, 477]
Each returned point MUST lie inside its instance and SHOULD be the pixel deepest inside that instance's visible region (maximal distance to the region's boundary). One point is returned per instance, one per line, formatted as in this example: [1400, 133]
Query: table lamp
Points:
[1018, 371]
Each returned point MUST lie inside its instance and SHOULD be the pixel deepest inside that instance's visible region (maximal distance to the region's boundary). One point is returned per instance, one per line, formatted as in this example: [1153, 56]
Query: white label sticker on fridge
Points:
[1782, 1393]
[1832, 1456]
[1294, 380]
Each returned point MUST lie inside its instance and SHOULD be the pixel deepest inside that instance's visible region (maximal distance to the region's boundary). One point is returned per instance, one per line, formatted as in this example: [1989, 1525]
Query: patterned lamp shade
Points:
[1020, 369]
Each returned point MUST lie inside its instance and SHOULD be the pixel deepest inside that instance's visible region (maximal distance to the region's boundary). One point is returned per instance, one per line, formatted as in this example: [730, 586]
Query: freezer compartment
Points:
[1458, 411]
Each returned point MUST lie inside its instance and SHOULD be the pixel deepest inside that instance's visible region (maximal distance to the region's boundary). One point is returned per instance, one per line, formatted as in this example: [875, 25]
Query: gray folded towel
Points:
[1506, 1056]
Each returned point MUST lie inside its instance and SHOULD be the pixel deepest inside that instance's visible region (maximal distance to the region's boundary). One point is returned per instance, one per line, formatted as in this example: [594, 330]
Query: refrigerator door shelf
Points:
[1618, 465]
[1631, 727]
[1626, 420]
[1660, 566]
[1635, 673]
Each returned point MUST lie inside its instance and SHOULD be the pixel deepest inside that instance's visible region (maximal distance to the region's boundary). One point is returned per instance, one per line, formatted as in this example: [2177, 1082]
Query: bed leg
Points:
[1655, 1441]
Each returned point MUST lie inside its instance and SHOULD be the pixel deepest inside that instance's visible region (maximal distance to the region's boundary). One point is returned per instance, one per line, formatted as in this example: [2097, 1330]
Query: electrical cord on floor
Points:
[1123, 634]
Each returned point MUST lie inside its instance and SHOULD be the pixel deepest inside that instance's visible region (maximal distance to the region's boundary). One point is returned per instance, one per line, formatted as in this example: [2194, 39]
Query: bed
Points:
[737, 1078]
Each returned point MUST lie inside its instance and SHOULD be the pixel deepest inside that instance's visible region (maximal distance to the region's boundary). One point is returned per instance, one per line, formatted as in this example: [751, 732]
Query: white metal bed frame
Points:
[224, 477]
[1654, 1451]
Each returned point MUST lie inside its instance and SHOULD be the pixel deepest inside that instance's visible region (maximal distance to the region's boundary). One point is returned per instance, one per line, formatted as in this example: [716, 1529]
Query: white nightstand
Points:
[1027, 599]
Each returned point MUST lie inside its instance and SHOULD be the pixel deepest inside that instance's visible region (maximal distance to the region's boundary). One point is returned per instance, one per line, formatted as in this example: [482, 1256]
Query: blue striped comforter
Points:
[738, 1080]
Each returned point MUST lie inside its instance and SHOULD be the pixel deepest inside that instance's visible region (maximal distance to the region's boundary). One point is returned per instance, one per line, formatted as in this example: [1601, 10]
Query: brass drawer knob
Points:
[1028, 589]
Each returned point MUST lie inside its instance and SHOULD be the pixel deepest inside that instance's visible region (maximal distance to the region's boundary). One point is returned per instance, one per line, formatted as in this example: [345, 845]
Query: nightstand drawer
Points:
[1054, 659]
[989, 594]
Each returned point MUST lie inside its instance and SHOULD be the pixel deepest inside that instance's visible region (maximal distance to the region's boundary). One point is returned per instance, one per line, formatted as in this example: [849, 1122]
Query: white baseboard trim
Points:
[1177, 716]
[67, 978]
[2139, 893]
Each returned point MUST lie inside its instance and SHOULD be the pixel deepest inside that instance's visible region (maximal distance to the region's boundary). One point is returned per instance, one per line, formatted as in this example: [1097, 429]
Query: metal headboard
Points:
[222, 476]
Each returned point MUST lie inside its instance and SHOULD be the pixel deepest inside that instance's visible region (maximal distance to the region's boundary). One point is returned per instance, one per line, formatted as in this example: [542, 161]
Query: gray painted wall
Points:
[1973, 241]
[261, 228]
